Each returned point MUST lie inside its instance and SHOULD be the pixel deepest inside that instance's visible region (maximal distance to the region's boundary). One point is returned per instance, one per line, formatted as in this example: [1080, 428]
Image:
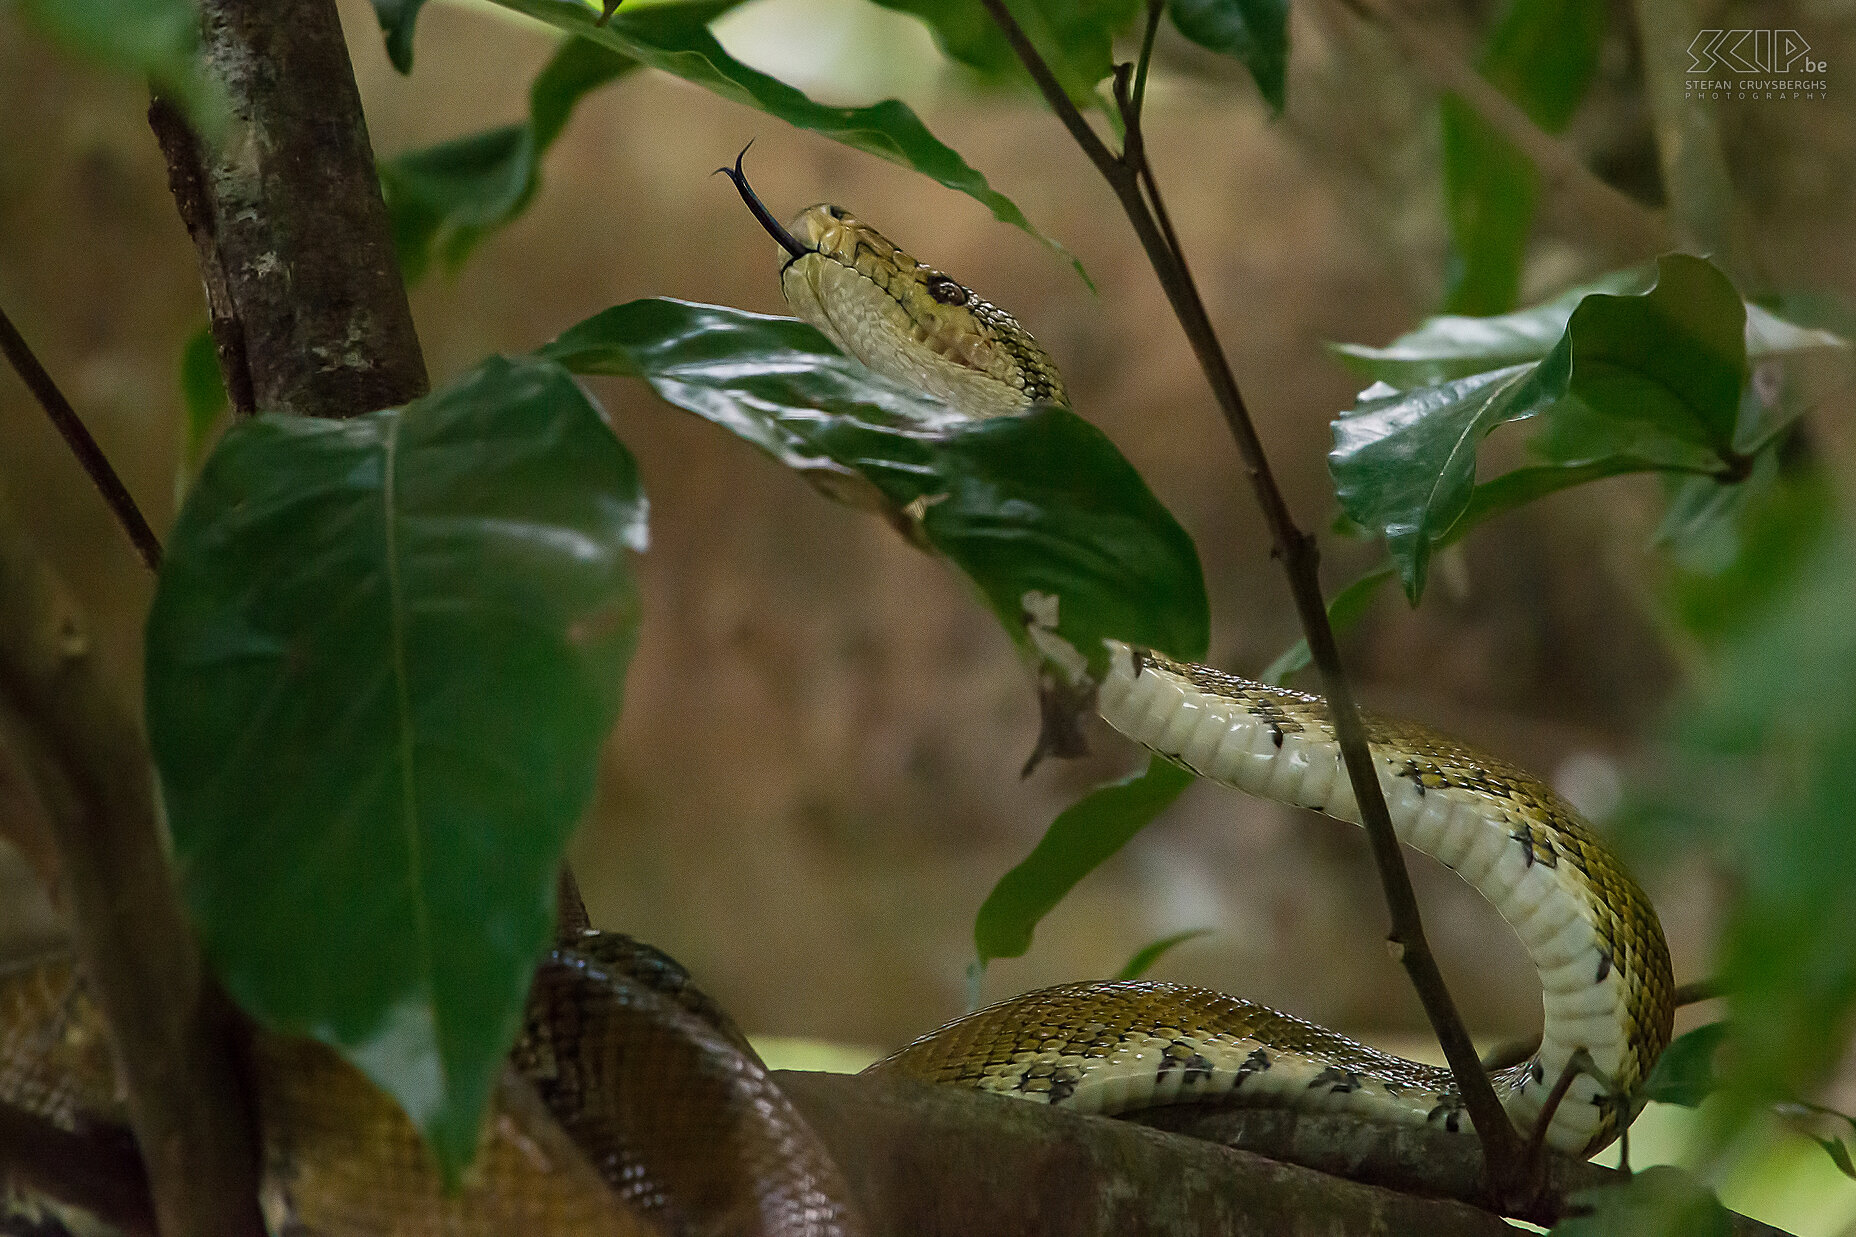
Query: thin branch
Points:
[1699, 990]
[97, 1170]
[77, 436]
[1604, 211]
[173, 1035]
[1501, 1143]
[1154, 9]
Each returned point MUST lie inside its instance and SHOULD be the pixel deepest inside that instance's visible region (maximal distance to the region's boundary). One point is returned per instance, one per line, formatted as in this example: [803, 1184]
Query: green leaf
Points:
[1813, 1117]
[1636, 382]
[446, 198]
[203, 396]
[1040, 502]
[1685, 1073]
[1078, 842]
[382, 658]
[1346, 609]
[1542, 55]
[1663, 1201]
[397, 18]
[1145, 957]
[155, 39]
[1253, 31]
[1075, 37]
[676, 39]
[1451, 346]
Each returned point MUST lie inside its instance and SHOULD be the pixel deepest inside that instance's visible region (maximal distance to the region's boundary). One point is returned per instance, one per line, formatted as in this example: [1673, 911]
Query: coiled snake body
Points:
[1590, 932]
[669, 1105]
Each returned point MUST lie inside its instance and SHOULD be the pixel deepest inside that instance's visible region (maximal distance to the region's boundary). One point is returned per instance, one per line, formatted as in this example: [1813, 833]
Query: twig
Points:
[1605, 211]
[97, 1170]
[1501, 1143]
[1699, 990]
[1578, 1063]
[77, 436]
[174, 1037]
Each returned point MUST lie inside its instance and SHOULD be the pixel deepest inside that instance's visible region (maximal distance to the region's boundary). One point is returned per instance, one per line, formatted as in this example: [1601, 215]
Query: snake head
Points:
[910, 322]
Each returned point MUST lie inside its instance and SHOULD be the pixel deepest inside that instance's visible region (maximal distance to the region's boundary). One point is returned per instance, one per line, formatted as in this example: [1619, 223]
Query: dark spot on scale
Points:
[1255, 1063]
[946, 291]
[1276, 734]
[1453, 1122]
[1063, 1084]
[1539, 1071]
[1604, 967]
[1338, 1081]
[1139, 657]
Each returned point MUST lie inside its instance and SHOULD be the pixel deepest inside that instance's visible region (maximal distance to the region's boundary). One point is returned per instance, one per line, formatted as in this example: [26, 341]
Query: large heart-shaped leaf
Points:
[675, 38]
[381, 660]
[1040, 503]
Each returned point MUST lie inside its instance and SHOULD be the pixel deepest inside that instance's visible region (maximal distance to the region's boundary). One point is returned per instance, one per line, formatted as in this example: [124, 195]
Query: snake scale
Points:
[669, 1107]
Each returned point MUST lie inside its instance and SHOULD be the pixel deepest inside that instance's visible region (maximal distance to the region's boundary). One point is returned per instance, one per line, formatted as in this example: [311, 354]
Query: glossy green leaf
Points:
[676, 39]
[1663, 1201]
[1812, 1118]
[382, 658]
[203, 398]
[1542, 55]
[1255, 32]
[1075, 37]
[397, 18]
[1685, 1073]
[444, 199]
[1452, 346]
[1635, 382]
[1079, 841]
[154, 39]
[1145, 957]
[1037, 503]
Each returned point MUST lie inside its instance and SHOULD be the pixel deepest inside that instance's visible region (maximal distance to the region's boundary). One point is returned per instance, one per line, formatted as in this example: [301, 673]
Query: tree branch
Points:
[77, 436]
[1300, 559]
[173, 1035]
[309, 312]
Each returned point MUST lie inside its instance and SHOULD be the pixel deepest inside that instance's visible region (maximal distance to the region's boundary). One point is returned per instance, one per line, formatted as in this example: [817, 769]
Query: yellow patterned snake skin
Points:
[1589, 930]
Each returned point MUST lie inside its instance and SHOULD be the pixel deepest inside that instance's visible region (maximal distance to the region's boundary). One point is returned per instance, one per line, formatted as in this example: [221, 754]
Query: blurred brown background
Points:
[815, 781]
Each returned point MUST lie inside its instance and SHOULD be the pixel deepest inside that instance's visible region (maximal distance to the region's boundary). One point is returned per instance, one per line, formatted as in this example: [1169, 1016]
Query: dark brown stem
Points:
[1502, 1147]
[1578, 1063]
[96, 1170]
[177, 1043]
[77, 436]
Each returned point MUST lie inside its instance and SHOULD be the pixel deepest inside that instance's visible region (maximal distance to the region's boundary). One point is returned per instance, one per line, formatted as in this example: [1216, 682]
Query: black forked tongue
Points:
[787, 240]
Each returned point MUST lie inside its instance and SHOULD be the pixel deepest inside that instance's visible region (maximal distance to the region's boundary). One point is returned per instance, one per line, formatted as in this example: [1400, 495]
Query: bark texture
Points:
[308, 308]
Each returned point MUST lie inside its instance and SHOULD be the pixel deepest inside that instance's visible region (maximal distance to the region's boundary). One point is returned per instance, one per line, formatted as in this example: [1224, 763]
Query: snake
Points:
[636, 1108]
[1589, 930]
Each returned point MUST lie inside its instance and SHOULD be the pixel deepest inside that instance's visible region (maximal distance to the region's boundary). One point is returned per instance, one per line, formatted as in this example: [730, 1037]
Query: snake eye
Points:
[946, 291]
